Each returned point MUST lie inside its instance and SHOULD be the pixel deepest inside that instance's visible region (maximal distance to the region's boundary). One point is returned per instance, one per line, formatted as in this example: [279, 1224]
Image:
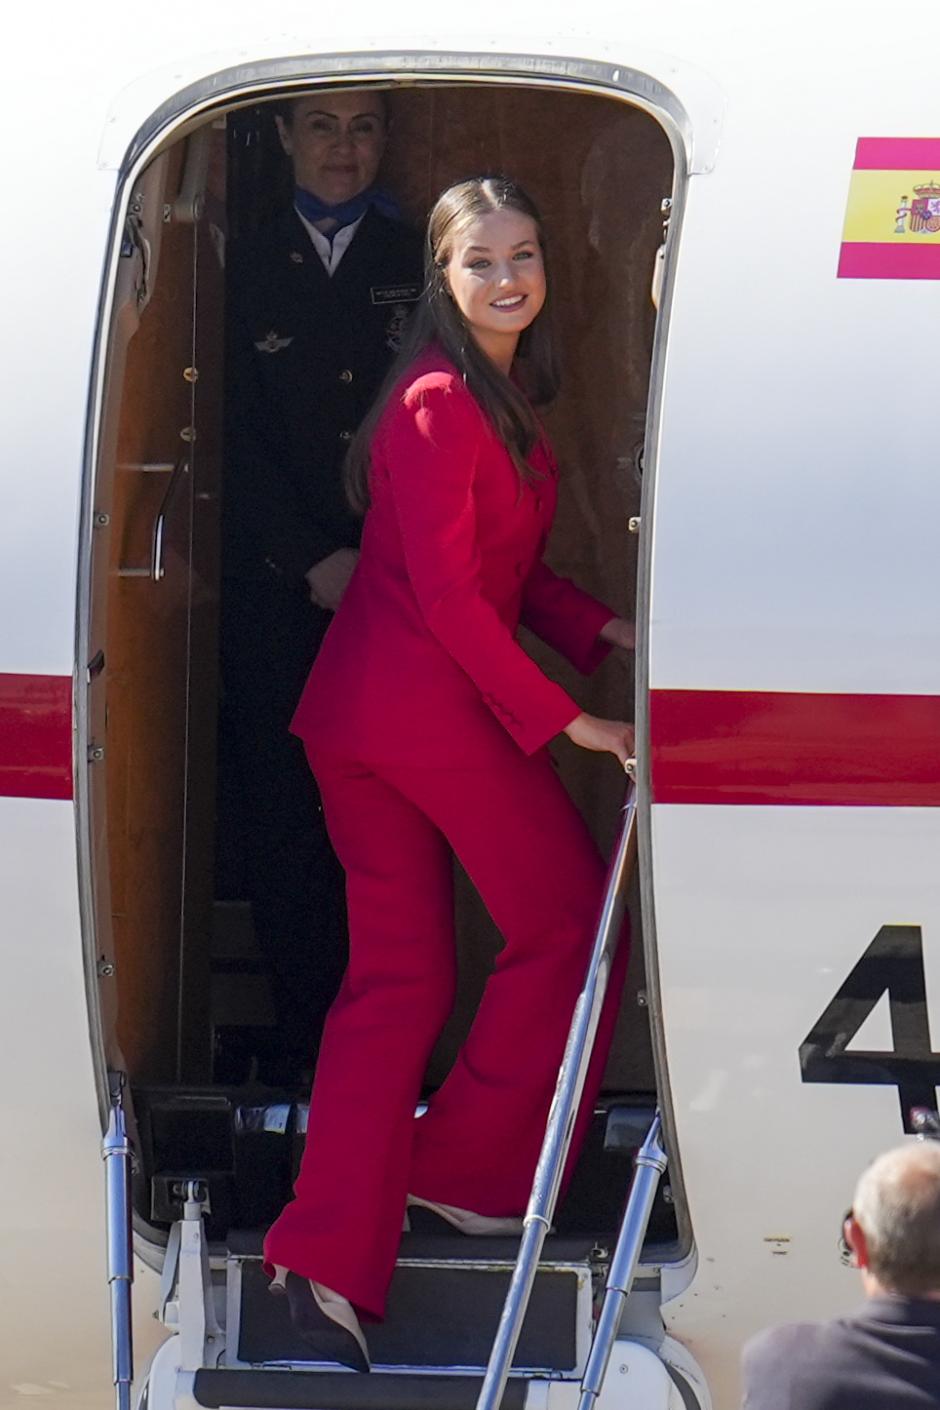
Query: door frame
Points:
[693, 153]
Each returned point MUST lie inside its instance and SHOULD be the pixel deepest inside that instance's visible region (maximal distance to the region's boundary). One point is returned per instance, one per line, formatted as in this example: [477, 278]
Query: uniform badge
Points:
[296, 257]
[395, 328]
[395, 293]
[272, 342]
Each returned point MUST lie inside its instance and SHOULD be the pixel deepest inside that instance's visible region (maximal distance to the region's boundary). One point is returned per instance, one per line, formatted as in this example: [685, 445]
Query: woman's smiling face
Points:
[496, 276]
[335, 142]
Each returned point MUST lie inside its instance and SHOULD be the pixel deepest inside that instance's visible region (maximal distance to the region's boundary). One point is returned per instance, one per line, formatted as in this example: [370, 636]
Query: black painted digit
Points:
[893, 962]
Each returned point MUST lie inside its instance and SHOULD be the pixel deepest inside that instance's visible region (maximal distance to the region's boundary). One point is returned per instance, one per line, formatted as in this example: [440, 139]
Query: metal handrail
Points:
[116, 1153]
[155, 570]
[564, 1108]
[159, 528]
[650, 1163]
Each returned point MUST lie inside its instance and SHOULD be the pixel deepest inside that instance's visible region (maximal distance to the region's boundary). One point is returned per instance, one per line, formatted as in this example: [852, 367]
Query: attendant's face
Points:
[335, 142]
[496, 276]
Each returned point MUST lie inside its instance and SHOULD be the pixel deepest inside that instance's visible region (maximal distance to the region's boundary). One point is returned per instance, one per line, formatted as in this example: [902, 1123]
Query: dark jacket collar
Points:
[901, 1311]
[368, 246]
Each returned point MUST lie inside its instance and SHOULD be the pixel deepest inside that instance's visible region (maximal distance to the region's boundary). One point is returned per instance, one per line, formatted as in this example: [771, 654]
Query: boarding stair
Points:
[445, 1301]
[501, 1323]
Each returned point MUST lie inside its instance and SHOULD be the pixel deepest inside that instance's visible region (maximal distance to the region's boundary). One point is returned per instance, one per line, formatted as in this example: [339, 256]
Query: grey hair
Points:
[897, 1204]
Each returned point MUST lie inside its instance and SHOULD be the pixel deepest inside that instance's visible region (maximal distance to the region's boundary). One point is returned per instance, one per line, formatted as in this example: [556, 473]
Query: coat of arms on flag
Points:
[925, 212]
[892, 219]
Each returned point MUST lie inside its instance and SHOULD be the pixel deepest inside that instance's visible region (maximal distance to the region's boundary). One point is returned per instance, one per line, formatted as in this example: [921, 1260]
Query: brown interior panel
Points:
[146, 666]
[158, 612]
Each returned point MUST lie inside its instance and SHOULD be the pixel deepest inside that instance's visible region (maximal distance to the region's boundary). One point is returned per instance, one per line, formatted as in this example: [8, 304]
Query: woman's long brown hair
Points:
[437, 319]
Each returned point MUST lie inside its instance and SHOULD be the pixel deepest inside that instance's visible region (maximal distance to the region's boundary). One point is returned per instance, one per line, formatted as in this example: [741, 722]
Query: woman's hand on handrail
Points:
[602, 736]
[619, 632]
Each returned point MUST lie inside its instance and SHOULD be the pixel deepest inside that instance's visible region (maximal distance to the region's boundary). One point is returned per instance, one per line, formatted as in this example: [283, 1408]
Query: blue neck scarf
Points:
[347, 212]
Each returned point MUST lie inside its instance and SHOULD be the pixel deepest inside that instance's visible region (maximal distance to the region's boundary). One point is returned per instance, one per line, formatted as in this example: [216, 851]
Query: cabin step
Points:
[300, 1390]
[443, 1308]
[246, 1143]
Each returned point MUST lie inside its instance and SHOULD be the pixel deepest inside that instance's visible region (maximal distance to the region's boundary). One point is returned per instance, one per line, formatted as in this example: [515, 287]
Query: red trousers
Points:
[528, 852]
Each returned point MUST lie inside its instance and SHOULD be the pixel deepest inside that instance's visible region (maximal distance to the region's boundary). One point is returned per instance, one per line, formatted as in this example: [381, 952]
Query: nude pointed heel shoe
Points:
[323, 1319]
[466, 1222]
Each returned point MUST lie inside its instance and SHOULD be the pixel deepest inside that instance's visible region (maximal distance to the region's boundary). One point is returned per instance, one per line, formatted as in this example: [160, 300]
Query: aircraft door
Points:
[154, 587]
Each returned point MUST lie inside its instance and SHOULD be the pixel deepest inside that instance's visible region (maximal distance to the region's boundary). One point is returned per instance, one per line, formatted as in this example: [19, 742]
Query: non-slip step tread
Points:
[459, 1248]
[436, 1317]
[327, 1390]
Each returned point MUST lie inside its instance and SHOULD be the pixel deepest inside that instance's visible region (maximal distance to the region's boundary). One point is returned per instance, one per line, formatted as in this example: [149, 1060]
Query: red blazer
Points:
[422, 654]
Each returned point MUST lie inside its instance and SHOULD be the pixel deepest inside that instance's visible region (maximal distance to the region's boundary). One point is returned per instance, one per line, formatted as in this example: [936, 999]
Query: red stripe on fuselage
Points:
[716, 746]
[35, 736]
[706, 746]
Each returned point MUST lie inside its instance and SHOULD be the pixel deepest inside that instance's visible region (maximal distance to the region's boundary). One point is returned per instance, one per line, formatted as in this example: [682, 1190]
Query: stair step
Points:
[459, 1248]
[442, 1312]
[246, 1143]
[325, 1390]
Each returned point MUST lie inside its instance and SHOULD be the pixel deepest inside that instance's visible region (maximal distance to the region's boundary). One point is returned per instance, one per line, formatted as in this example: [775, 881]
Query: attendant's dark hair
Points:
[437, 319]
[286, 108]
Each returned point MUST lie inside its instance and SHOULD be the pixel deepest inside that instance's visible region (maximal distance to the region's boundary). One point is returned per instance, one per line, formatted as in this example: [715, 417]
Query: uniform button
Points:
[538, 501]
[345, 435]
[345, 375]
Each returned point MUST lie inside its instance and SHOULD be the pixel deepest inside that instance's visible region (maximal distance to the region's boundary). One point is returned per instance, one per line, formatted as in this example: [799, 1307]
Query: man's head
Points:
[894, 1227]
[335, 141]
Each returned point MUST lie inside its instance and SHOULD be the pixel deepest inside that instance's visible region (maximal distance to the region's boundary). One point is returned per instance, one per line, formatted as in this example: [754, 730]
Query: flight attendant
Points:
[317, 303]
[426, 725]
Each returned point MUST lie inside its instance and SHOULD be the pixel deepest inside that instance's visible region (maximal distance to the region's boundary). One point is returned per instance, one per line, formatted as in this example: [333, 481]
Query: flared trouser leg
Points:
[528, 852]
[344, 1224]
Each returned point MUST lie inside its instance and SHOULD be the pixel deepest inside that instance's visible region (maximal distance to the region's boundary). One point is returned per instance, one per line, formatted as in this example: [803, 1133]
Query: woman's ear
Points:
[283, 133]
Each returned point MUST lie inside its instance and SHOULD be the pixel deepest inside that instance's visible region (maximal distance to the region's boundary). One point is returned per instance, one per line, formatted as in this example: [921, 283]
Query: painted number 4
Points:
[893, 963]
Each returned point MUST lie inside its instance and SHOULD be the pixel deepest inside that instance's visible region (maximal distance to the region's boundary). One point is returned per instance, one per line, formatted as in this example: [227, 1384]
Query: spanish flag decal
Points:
[892, 222]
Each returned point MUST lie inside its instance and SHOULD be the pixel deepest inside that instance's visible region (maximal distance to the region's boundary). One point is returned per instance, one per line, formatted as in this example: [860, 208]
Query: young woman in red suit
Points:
[425, 724]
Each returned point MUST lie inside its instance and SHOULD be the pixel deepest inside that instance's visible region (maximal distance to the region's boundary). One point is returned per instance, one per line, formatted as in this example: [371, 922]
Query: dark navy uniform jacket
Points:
[885, 1357]
[305, 355]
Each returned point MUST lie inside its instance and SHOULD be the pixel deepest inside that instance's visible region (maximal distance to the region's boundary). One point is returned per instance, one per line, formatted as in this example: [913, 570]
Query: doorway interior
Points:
[183, 990]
